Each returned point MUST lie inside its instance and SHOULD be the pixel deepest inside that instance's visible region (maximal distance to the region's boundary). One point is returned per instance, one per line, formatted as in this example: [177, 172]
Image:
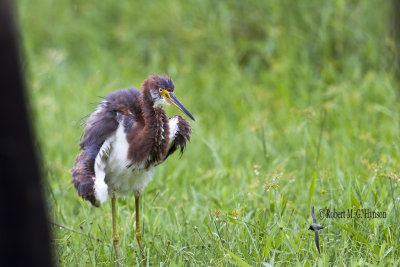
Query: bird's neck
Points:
[156, 128]
[153, 116]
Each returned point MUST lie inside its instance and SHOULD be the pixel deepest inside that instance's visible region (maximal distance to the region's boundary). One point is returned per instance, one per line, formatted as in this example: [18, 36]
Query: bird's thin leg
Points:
[138, 235]
[115, 235]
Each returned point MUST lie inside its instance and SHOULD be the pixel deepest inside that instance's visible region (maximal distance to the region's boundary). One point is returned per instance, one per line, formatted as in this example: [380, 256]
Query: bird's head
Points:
[161, 92]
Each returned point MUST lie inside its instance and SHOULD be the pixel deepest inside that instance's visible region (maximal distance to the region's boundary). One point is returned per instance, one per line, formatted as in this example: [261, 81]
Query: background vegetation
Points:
[296, 105]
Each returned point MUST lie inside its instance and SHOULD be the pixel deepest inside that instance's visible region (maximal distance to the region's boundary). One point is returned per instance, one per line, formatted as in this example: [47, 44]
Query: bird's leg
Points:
[115, 235]
[138, 235]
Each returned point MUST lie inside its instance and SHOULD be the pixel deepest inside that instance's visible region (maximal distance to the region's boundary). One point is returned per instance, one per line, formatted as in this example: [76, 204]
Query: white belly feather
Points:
[112, 175]
[173, 129]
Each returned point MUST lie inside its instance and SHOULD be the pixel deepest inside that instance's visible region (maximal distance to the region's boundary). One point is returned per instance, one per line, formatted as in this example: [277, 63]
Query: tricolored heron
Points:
[124, 139]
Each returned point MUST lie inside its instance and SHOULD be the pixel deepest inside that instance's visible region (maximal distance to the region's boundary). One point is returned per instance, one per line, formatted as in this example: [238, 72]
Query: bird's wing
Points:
[313, 215]
[104, 121]
[83, 174]
[317, 240]
[88, 171]
[179, 133]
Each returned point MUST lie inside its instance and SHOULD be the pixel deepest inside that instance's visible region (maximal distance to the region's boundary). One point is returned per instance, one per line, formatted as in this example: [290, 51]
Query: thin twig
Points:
[75, 231]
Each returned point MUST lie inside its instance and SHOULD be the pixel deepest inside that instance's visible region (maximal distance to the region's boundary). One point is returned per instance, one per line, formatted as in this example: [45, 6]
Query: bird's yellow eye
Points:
[163, 92]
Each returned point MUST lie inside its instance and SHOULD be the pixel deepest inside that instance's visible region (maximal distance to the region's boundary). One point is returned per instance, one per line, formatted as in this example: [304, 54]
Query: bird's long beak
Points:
[171, 99]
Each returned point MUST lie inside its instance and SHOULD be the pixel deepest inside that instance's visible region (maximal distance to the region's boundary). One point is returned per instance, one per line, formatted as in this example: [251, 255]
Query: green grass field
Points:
[296, 105]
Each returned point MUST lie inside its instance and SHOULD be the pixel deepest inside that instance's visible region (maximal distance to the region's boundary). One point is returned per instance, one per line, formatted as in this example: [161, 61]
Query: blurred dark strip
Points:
[24, 232]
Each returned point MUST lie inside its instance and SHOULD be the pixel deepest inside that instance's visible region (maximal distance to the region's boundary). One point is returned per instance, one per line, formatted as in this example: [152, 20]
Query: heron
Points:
[125, 138]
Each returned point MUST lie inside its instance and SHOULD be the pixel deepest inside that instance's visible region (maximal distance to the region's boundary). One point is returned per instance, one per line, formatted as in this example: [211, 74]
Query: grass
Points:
[296, 105]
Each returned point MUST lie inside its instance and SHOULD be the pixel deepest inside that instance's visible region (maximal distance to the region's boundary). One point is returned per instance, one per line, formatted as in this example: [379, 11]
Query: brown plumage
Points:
[126, 137]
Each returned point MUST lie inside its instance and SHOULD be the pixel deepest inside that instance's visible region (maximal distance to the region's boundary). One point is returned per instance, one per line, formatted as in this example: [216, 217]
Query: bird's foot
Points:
[139, 240]
[116, 248]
